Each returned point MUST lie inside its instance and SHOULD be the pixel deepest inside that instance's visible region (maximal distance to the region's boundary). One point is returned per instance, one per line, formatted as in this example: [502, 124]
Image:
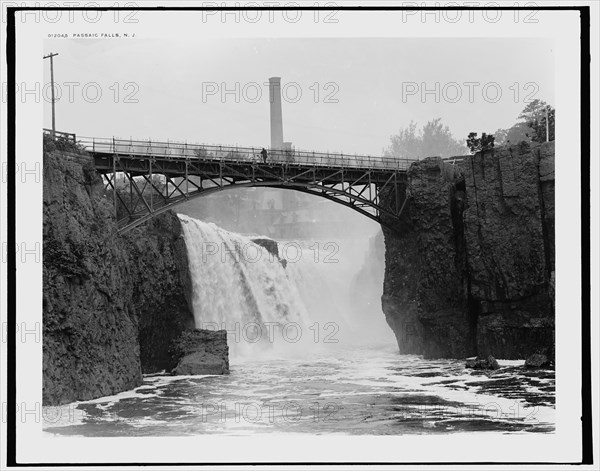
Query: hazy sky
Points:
[355, 93]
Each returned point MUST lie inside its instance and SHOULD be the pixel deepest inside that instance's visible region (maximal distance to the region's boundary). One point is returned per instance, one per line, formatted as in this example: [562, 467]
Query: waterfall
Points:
[239, 286]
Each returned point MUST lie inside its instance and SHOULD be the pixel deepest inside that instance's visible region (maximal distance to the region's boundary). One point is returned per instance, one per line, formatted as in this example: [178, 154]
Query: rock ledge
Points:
[201, 352]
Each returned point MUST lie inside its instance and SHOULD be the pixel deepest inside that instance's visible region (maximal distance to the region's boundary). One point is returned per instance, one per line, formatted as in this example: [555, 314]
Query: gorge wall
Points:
[112, 304]
[470, 266]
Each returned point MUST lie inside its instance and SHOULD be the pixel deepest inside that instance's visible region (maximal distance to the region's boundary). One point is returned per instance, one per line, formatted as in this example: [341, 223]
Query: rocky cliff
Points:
[470, 266]
[112, 304]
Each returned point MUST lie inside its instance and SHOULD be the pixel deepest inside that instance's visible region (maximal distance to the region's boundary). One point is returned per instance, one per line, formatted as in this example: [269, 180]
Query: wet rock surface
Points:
[537, 360]
[470, 266]
[162, 288]
[271, 246]
[488, 363]
[201, 352]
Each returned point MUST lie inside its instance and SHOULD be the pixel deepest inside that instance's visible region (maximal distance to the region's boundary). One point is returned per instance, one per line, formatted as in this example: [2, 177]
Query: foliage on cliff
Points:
[433, 139]
[531, 126]
[477, 144]
[61, 143]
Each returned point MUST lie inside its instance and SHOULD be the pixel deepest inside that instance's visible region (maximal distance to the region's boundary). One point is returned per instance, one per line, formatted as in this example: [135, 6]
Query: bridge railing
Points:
[69, 136]
[181, 150]
[454, 160]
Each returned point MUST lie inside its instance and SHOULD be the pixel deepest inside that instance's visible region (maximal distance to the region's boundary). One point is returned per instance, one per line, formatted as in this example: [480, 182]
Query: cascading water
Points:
[241, 287]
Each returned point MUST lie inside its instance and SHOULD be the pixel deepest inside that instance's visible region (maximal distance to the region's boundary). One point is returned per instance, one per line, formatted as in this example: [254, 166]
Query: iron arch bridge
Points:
[151, 177]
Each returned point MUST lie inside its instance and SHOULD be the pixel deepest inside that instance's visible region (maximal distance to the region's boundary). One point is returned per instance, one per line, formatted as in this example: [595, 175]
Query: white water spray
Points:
[240, 287]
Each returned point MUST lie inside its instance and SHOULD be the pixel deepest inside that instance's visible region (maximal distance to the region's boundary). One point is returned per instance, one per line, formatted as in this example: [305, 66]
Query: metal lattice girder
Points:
[356, 187]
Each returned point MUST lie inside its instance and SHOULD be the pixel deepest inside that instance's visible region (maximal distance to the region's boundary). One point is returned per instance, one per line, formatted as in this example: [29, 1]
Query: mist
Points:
[332, 278]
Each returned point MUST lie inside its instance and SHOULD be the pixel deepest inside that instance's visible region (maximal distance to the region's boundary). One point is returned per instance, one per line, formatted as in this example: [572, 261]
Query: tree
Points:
[477, 144]
[532, 126]
[499, 136]
[539, 116]
[61, 143]
[434, 139]
[519, 132]
[406, 144]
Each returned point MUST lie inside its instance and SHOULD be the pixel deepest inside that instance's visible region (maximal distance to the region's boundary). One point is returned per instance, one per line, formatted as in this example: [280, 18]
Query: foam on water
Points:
[343, 372]
[359, 390]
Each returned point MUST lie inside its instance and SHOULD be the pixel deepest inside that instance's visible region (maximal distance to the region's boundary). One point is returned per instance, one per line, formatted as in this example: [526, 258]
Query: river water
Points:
[369, 389]
[308, 355]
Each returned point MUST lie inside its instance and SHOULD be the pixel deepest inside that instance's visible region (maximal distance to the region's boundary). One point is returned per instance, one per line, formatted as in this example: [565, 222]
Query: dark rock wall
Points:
[161, 288]
[511, 248]
[400, 283]
[90, 330]
[469, 269]
[112, 304]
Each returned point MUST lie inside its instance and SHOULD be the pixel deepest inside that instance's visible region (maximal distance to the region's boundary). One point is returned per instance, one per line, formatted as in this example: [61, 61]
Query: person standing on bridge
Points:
[263, 152]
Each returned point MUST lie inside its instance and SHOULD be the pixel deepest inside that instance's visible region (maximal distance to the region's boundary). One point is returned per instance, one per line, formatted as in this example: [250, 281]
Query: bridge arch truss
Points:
[152, 177]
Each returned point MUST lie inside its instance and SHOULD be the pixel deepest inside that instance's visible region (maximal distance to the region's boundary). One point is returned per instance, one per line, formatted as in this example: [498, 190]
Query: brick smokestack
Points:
[276, 118]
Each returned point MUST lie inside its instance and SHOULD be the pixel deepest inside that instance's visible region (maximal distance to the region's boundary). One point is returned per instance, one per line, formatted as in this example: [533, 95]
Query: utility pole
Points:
[51, 55]
[547, 125]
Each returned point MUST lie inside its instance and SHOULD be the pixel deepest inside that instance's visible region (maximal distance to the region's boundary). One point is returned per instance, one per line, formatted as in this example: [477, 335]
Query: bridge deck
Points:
[250, 155]
[373, 186]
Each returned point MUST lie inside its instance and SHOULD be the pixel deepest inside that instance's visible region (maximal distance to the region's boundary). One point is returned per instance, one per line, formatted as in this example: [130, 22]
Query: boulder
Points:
[271, 246]
[201, 352]
[479, 363]
[537, 360]
[202, 363]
